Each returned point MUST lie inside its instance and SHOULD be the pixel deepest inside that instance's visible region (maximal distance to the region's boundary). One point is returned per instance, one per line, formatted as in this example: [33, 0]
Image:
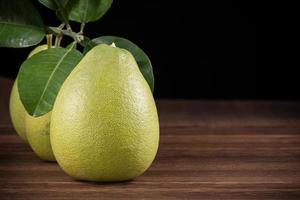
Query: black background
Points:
[202, 49]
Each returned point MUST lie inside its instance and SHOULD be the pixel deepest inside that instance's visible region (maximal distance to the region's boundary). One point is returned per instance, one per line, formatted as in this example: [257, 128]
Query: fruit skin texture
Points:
[104, 124]
[38, 135]
[34, 130]
[16, 108]
[17, 112]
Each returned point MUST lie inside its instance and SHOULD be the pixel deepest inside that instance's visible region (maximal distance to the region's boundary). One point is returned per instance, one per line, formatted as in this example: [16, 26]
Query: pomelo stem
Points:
[49, 40]
[58, 40]
[82, 25]
[113, 44]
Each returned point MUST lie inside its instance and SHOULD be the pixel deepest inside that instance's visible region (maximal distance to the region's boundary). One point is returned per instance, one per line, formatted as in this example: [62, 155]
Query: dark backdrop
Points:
[202, 49]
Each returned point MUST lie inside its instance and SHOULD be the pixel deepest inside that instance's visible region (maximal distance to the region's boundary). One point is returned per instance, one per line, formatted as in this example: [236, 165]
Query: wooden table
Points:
[208, 150]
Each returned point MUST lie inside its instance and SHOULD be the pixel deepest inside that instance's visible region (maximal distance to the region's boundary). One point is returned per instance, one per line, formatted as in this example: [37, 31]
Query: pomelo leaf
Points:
[41, 76]
[52, 4]
[140, 56]
[59, 7]
[20, 24]
[87, 10]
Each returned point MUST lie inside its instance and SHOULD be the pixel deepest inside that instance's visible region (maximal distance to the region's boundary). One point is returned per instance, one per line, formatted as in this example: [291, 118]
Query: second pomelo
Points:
[38, 135]
[17, 112]
[33, 130]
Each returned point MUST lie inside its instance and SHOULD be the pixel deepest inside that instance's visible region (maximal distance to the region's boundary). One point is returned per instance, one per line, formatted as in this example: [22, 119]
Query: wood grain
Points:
[208, 150]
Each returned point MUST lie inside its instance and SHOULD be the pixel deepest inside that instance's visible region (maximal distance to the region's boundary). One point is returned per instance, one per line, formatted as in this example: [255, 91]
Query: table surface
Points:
[208, 150]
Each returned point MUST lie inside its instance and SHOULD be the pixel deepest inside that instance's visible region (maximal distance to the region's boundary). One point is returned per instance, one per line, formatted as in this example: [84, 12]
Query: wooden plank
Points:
[208, 150]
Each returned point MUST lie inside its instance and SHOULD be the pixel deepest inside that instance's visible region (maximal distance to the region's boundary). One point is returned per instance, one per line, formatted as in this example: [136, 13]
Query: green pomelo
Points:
[104, 124]
[33, 130]
[38, 135]
[17, 112]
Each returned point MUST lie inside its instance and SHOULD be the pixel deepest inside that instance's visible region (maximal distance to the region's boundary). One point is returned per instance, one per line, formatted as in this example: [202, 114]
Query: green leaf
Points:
[61, 11]
[41, 76]
[140, 56]
[59, 7]
[20, 24]
[52, 4]
[84, 11]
